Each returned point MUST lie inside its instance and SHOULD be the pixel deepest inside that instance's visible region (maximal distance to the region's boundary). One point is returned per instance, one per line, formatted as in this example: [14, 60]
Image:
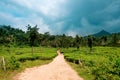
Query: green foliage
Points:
[65, 41]
[117, 66]
[115, 39]
[103, 63]
[77, 42]
[33, 34]
[13, 63]
[16, 37]
[22, 59]
[11, 35]
[20, 55]
[90, 42]
[36, 57]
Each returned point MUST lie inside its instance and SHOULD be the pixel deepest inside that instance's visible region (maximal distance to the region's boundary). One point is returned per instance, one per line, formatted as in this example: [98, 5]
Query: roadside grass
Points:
[9, 74]
[103, 63]
[82, 71]
[41, 56]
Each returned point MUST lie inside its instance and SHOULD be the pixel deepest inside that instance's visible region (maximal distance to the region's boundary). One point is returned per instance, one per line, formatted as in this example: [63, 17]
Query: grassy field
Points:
[17, 59]
[103, 63]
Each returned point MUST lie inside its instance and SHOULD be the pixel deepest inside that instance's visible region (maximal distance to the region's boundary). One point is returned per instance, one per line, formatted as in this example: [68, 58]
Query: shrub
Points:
[19, 53]
[117, 67]
[13, 63]
[89, 63]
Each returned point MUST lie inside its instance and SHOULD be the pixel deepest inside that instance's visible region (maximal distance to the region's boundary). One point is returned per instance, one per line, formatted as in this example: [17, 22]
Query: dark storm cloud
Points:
[63, 16]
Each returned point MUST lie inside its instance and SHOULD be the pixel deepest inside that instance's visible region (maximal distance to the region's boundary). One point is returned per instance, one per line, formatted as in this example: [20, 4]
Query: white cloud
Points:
[6, 18]
[61, 16]
[50, 8]
[22, 22]
[25, 3]
[71, 33]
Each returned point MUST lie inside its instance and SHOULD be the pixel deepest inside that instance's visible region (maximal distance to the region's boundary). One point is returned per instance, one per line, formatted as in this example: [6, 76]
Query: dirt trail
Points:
[58, 69]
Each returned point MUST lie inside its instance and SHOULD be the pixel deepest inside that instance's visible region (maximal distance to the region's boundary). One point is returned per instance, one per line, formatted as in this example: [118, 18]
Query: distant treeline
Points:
[10, 36]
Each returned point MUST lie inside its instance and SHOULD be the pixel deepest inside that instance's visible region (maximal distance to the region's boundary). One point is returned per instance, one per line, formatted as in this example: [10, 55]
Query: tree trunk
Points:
[32, 50]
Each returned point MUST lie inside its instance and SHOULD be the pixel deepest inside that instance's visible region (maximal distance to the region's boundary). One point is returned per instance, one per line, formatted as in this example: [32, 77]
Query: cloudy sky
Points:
[62, 16]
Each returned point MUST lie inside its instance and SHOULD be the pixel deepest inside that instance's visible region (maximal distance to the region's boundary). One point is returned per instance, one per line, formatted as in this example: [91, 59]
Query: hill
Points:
[102, 33]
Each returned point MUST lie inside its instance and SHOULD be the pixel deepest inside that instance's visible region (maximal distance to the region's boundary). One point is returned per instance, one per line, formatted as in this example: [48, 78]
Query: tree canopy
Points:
[32, 37]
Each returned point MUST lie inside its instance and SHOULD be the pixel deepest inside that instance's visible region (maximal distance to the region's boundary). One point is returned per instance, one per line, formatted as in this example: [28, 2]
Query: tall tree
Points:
[115, 39]
[56, 42]
[104, 40]
[90, 42]
[77, 42]
[63, 41]
[33, 35]
[67, 42]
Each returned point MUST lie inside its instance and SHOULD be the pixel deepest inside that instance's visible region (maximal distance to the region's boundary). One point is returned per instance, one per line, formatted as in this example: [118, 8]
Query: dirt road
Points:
[58, 69]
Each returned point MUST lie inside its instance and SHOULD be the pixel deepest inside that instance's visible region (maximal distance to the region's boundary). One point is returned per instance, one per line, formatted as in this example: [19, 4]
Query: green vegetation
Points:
[20, 58]
[92, 62]
[15, 37]
[102, 64]
[33, 35]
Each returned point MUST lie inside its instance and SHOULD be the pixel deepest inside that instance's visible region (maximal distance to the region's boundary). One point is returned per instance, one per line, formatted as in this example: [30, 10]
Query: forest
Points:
[10, 36]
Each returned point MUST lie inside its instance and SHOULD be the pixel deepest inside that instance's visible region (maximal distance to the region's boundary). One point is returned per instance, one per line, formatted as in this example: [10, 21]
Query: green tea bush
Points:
[116, 67]
[103, 63]
[13, 63]
[100, 72]
[70, 59]
[31, 58]
[89, 63]
[35, 57]
[19, 53]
